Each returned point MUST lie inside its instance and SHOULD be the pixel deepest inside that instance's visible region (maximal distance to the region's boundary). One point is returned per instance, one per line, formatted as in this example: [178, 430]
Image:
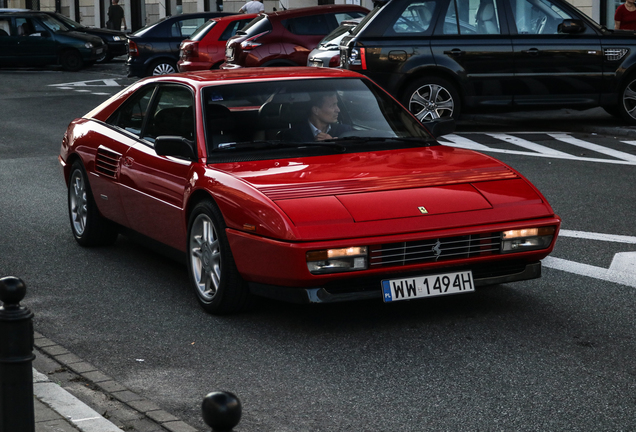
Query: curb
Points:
[79, 380]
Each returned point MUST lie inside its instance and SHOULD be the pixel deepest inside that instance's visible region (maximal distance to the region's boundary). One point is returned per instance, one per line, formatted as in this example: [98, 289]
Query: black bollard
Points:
[16, 356]
[221, 411]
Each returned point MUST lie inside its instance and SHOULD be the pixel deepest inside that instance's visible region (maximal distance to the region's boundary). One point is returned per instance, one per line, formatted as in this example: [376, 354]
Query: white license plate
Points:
[427, 286]
[229, 53]
[99, 50]
[315, 63]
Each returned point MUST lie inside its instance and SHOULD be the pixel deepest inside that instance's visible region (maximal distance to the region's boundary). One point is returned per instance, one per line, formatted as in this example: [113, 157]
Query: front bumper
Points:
[370, 288]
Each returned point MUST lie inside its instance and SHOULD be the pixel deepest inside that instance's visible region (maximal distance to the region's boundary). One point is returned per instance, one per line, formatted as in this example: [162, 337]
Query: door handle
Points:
[455, 52]
[531, 51]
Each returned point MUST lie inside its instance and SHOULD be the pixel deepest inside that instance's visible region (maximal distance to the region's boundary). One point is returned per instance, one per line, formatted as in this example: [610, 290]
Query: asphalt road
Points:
[555, 353]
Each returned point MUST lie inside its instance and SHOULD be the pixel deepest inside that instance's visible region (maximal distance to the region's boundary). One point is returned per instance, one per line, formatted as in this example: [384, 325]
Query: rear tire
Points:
[162, 67]
[432, 98]
[213, 273]
[89, 227]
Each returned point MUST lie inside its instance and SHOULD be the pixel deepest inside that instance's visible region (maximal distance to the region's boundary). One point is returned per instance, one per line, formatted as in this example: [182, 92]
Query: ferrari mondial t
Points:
[302, 184]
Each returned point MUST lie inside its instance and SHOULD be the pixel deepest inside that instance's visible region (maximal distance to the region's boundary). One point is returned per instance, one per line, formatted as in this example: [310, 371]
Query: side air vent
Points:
[614, 54]
[107, 162]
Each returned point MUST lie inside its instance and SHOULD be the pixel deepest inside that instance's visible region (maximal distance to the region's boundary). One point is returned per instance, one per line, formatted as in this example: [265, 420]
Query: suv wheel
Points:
[162, 67]
[431, 98]
[627, 103]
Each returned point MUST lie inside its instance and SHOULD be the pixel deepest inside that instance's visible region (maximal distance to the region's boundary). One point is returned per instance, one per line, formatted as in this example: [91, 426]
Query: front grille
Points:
[106, 162]
[433, 250]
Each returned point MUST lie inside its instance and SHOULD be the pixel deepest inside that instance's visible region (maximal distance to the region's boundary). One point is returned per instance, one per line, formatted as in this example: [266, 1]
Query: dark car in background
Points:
[154, 49]
[327, 53]
[36, 39]
[116, 42]
[205, 49]
[285, 38]
[441, 57]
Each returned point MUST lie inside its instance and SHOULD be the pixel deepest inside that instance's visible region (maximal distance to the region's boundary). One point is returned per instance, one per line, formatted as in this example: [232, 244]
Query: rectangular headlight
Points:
[527, 239]
[337, 260]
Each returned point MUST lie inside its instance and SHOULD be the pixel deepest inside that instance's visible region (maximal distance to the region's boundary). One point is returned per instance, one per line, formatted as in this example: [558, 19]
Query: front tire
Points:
[88, 226]
[432, 98]
[627, 103]
[213, 273]
[71, 61]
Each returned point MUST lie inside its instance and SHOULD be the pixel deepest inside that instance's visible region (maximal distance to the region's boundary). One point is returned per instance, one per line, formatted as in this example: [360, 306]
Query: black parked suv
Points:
[35, 38]
[154, 49]
[443, 57]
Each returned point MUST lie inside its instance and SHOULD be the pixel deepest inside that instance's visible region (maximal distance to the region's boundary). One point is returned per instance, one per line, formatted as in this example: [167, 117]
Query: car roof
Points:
[234, 17]
[205, 77]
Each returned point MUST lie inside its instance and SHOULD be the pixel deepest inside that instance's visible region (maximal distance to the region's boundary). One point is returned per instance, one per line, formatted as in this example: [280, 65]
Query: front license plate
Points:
[99, 50]
[229, 53]
[427, 286]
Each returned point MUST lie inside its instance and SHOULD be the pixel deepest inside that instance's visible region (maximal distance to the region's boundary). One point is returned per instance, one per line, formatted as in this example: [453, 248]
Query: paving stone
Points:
[143, 405]
[161, 416]
[96, 376]
[178, 426]
[111, 386]
[126, 396]
[55, 350]
[68, 359]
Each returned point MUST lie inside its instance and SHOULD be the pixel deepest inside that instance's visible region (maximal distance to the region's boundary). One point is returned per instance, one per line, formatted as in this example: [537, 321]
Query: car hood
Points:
[432, 187]
[95, 40]
[104, 32]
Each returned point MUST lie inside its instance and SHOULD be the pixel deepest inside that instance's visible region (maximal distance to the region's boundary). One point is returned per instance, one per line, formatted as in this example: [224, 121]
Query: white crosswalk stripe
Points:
[526, 147]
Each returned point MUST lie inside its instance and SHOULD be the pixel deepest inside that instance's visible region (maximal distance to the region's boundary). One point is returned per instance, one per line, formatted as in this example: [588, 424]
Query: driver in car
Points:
[322, 120]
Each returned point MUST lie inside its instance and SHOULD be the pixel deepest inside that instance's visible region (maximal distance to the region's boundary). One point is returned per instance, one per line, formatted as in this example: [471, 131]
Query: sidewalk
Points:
[113, 407]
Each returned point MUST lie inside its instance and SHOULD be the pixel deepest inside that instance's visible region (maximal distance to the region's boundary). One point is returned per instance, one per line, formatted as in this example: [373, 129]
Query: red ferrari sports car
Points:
[303, 184]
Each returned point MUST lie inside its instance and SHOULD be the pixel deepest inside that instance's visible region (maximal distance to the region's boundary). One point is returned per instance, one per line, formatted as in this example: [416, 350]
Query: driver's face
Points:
[328, 112]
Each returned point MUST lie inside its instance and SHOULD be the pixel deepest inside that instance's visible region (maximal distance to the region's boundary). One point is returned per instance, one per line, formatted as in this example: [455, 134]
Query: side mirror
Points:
[571, 26]
[176, 146]
[440, 127]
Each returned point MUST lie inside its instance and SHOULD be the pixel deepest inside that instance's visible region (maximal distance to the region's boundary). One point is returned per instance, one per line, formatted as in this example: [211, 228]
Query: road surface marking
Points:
[610, 275]
[594, 147]
[528, 144]
[598, 236]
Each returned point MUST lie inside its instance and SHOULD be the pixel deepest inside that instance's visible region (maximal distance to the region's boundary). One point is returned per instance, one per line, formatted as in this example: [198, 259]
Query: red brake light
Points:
[190, 50]
[334, 61]
[133, 51]
[251, 43]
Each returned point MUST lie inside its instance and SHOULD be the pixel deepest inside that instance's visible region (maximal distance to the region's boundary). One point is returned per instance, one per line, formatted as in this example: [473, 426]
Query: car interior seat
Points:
[486, 19]
[221, 127]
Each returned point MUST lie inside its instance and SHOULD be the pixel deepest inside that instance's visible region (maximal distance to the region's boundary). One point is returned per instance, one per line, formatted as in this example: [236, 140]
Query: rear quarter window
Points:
[308, 25]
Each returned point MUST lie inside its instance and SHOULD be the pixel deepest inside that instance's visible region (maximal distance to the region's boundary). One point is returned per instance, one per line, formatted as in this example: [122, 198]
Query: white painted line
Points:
[68, 406]
[459, 141]
[598, 236]
[609, 275]
[109, 82]
[528, 144]
[624, 262]
[594, 147]
[102, 94]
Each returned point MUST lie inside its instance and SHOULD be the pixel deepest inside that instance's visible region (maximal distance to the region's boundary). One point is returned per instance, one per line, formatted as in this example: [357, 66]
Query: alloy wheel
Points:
[205, 256]
[78, 203]
[431, 102]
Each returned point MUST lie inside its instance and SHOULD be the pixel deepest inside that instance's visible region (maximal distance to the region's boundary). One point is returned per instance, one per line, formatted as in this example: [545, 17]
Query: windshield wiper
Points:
[266, 144]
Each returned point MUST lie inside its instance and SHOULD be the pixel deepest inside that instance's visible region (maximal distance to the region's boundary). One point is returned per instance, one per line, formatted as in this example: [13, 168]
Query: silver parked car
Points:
[327, 53]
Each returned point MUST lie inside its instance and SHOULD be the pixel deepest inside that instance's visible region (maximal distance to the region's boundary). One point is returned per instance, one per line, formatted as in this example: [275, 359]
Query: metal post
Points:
[16, 355]
[221, 411]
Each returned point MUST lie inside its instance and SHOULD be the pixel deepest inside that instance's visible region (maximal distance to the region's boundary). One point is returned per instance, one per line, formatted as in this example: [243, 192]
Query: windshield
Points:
[258, 25]
[341, 112]
[332, 40]
[148, 27]
[68, 22]
[53, 24]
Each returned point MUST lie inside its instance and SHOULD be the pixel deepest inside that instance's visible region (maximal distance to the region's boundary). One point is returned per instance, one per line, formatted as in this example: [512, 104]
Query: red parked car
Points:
[215, 164]
[205, 49]
[285, 38]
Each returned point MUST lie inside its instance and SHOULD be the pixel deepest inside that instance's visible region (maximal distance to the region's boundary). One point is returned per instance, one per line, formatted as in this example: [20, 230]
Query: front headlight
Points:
[337, 260]
[88, 45]
[527, 239]
[117, 38]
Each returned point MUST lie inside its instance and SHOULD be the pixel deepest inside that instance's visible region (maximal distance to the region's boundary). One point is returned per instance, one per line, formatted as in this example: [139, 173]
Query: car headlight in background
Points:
[527, 239]
[337, 260]
[88, 45]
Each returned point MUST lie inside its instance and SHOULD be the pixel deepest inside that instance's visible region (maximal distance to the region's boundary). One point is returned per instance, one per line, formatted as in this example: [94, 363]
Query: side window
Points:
[186, 27]
[308, 25]
[172, 114]
[469, 17]
[414, 19]
[537, 16]
[232, 28]
[5, 27]
[25, 26]
[130, 116]
[343, 16]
